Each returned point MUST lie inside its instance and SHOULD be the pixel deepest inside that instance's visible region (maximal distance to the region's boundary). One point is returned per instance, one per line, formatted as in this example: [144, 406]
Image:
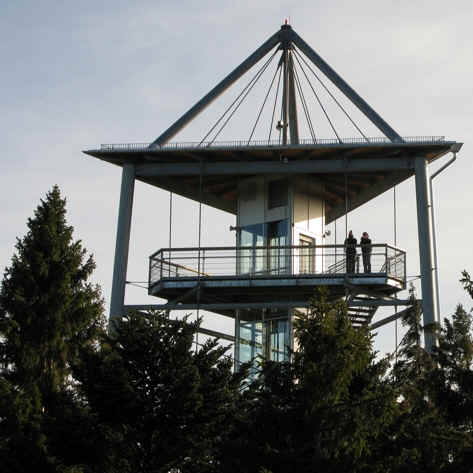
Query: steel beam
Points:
[326, 166]
[346, 89]
[253, 305]
[424, 228]
[285, 97]
[292, 108]
[217, 90]
[389, 319]
[122, 242]
[202, 330]
[216, 334]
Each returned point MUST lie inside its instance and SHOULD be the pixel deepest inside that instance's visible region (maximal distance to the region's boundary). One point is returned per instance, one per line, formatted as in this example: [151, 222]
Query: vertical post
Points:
[292, 106]
[122, 242]
[253, 341]
[265, 338]
[290, 330]
[434, 243]
[386, 260]
[424, 229]
[436, 266]
[236, 356]
[285, 96]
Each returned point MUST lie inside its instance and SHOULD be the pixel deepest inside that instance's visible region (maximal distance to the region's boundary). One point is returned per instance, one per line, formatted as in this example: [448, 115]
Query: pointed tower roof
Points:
[373, 164]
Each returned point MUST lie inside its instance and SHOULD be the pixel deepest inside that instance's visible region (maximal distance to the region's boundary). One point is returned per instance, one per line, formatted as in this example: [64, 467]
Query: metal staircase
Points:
[361, 309]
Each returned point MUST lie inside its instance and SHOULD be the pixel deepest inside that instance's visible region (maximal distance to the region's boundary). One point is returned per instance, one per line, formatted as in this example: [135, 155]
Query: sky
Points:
[78, 74]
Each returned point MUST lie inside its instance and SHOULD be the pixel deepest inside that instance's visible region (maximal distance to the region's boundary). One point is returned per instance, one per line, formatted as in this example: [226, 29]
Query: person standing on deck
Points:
[350, 251]
[365, 243]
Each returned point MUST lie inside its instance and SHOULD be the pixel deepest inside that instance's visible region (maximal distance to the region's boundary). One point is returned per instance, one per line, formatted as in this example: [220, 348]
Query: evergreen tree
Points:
[325, 410]
[452, 381]
[424, 437]
[48, 309]
[467, 283]
[160, 405]
[48, 312]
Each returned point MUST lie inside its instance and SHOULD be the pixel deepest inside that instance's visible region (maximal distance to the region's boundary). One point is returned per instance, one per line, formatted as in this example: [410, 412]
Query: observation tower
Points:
[284, 190]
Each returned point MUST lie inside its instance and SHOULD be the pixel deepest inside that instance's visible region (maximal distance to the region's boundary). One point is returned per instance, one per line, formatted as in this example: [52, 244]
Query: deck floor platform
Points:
[270, 290]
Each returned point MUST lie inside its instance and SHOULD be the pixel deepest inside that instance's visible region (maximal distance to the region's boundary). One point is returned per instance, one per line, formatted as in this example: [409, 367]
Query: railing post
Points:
[386, 259]
[149, 272]
[405, 276]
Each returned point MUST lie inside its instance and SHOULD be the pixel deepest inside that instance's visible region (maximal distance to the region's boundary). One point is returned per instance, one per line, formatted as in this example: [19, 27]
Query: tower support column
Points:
[122, 242]
[424, 227]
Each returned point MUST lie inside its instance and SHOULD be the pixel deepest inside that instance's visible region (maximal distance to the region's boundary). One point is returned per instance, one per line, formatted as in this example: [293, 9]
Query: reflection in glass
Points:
[278, 257]
[306, 254]
[251, 261]
[268, 339]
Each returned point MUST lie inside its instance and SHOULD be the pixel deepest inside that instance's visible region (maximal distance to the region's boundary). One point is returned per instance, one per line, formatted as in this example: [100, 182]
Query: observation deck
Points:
[223, 279]
[283, 192]
[374, 165]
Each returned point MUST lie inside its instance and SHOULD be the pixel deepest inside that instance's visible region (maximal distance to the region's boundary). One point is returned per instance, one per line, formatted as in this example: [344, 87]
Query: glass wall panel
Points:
[250, 344]
[269, 339]
[279, 258]
[277, 339]
[306, 254]
[251, 260]
[254, 260]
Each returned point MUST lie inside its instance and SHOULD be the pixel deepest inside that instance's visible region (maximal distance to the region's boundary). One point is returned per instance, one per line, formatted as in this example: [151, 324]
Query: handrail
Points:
[280, 247]
[111, 147]
[268, 261]
[180, 266]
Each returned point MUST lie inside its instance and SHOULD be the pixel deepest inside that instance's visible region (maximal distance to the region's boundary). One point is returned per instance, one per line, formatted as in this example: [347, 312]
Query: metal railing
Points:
[117, 147]
[263, 261]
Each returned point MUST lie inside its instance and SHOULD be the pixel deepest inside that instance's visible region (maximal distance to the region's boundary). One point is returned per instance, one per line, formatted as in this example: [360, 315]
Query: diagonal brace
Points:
[217, 90]
[345, 88]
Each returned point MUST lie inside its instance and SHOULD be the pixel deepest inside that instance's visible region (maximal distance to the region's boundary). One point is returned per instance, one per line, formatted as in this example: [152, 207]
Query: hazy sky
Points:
[77, 74]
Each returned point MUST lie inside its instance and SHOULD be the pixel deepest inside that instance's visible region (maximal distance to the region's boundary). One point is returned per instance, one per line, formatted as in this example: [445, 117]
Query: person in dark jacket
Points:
[365, 243]
[350, 251]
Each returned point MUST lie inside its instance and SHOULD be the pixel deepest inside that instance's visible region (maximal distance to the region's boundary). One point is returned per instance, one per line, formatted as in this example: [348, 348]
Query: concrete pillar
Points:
[424, 227]
[122, 242]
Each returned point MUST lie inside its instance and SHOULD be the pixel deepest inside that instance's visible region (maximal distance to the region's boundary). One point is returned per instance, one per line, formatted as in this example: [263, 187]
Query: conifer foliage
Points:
[48, 311]
[325, 410]
[168, 404]
[48, 307]
[144, 398]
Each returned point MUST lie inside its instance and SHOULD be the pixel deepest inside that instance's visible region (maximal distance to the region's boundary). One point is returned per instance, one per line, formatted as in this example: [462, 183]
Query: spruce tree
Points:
[48, 311]
[452, 381]
[423, 438]
[324, 410]
[159, 404]
[467, 283]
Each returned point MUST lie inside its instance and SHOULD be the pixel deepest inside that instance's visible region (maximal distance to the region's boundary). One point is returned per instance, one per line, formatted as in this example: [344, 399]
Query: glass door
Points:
[306, 254]
[250, 258]
[278, 258]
